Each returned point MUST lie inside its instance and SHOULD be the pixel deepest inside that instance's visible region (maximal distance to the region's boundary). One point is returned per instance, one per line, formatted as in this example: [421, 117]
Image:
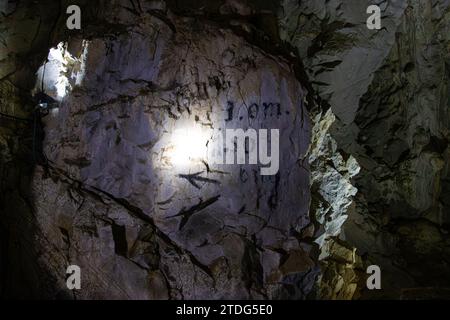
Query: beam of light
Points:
[188, 147]
[57, 69]
[62, 71]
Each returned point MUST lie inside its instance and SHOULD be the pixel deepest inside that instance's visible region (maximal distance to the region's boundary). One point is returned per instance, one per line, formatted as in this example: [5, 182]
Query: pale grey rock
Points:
[340, 52]
[378, 152]
[115, 202]
[330, 178]
[389, 92]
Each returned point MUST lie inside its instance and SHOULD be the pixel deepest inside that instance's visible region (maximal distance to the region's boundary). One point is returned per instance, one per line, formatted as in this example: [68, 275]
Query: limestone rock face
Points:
[408, 186]
[331, 179]
[389, 92]
[116, 200]
[339, 51]
[128, 188]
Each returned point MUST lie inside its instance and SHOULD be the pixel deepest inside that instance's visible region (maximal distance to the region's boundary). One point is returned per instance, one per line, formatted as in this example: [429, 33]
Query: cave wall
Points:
[21, 54]
[377, 168]
[107, 198]
[388, 93]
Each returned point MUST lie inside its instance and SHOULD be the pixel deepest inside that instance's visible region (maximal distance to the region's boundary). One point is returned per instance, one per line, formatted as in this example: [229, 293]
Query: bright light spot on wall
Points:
[58, 66]
[62, 71]
[188, 146]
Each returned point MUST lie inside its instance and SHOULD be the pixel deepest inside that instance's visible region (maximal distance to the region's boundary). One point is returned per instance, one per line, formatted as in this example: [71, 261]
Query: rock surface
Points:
[112, 198]
[389, 92]
[373, 189]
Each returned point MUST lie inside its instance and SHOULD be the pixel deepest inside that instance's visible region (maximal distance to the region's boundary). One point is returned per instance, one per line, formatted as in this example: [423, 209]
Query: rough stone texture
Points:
[332, 191]
[109, 198]
[20, 55]
[114, 131]
[389, 92]
[331, 179]
[342, 275]
[407, 173]
[340, 52]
